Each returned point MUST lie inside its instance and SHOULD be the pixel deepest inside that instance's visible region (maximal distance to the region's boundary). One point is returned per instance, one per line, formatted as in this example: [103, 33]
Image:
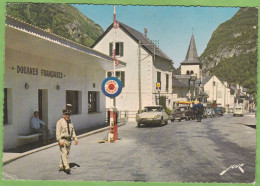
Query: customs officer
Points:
[65, 134]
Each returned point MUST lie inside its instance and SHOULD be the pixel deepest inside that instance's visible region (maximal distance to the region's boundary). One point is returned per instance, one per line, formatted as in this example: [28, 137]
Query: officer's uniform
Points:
[65, 133]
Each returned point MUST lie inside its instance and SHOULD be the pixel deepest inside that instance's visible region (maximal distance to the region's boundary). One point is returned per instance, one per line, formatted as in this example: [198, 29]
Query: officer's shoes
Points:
[61, 169]
[67, 171]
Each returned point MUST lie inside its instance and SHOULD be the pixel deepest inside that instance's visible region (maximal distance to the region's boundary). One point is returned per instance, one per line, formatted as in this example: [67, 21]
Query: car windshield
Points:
[152, 109]
[238, 109]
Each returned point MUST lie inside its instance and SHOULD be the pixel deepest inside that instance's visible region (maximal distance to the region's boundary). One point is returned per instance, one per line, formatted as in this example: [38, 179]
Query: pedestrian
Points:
[65, 133]
[200, 109]
[38, 126]
[194, 110]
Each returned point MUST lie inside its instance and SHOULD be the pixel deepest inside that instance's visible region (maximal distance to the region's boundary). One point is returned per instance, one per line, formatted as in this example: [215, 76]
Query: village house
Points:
[155, 67]
[218, 91]
[45, 72]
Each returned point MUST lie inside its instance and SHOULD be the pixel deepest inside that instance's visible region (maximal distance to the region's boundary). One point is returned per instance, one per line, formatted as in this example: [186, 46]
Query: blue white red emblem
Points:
[111, 87]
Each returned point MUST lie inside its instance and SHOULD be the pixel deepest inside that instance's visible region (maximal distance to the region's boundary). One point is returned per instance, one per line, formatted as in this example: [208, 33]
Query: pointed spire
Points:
[192, 55]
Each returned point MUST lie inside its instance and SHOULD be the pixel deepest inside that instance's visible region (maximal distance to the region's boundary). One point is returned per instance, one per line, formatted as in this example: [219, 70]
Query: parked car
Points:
[183, 112]
[210, 112]
[238, 111]
[230, 110]
[219, 111]
[152, 115]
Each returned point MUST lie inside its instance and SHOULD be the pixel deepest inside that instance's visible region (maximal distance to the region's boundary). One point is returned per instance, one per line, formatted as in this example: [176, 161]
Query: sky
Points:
[173, 26]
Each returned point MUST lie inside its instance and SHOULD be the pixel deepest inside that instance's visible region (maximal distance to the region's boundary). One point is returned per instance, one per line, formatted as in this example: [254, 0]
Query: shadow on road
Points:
[74, 165]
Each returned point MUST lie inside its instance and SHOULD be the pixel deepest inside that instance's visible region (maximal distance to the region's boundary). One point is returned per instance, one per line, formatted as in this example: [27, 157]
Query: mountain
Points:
[231, 53]
[61, 19]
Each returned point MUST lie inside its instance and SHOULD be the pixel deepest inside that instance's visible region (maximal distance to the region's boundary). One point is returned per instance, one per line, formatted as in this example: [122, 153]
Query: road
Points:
[186, 151]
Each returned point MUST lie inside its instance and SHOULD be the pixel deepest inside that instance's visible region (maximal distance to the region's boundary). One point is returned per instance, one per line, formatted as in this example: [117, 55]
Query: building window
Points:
[188, 72]
[158, 76]
[72, 97]
[191, 72]
[7, 110]
[5, 107]
[120, 75]
[92, 101]
[167, 82]
[119, 49]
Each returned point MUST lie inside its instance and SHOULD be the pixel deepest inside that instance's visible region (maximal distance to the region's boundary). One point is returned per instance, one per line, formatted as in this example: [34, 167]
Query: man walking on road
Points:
[65, 133]
[200, 109]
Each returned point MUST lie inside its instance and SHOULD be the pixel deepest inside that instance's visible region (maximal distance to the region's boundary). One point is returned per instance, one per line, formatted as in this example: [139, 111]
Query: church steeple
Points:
[192, 55]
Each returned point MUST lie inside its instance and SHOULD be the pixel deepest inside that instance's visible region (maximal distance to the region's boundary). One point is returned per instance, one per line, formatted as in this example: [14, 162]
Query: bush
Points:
[168, 111]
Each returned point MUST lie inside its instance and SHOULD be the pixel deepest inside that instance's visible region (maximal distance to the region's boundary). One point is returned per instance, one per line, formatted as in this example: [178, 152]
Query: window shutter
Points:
[110, 49]
[109, 74]
[123, 78]
[121, 48]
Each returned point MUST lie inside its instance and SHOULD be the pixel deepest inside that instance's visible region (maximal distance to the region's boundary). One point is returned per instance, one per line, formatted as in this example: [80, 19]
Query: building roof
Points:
[147, 44]
[184, 79]
[205, 79]
[177, 83]
[192, 55]
[28, 31]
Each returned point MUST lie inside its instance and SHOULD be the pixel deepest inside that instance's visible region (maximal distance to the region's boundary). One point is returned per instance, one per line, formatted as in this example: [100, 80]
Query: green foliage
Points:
[168, 111]
[236, 38]
[241, 70]
[162, 101]
[61, 19]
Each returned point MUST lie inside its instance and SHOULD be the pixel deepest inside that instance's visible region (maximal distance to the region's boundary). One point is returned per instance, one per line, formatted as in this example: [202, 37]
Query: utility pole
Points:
[139, 77]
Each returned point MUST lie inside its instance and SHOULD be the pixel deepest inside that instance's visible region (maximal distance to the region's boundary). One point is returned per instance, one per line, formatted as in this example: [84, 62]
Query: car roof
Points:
[153, 106]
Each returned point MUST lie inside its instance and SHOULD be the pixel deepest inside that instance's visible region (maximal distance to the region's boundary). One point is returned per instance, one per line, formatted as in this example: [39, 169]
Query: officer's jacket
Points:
[62, 130]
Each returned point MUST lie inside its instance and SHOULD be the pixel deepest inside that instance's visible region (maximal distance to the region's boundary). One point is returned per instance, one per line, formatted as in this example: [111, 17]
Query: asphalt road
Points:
[186, 151]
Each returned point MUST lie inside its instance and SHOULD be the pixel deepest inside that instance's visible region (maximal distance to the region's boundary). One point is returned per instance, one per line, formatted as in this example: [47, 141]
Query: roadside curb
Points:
[55, 144]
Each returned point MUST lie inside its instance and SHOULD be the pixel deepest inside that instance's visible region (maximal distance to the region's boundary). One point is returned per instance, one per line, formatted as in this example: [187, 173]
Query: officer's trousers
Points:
[65, 150]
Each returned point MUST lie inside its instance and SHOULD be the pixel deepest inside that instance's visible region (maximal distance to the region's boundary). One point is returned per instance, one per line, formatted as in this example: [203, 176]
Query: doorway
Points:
[43, 104]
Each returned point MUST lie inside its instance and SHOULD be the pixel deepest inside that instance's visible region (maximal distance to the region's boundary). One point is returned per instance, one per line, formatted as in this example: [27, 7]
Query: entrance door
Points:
[43, 104]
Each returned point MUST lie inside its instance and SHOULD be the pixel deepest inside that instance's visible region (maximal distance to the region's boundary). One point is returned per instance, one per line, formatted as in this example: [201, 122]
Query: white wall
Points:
[195, 68]
[128, 99]
[220, 92]
[25, 101]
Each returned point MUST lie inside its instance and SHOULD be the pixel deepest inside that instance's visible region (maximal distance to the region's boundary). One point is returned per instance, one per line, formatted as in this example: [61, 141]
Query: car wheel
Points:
[138, 124]
[172, 120]
[179, 120]
[166, 122]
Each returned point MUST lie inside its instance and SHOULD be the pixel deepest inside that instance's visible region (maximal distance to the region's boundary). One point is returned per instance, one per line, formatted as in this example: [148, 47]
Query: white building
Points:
[45, 72]
[218, 91]
[155, 67]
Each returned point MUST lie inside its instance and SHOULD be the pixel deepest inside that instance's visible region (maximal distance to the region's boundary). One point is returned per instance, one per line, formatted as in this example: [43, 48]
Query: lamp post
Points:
[192, 79]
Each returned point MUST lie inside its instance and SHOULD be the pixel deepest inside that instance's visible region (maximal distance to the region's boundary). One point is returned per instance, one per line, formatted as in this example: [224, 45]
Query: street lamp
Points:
[192, 79]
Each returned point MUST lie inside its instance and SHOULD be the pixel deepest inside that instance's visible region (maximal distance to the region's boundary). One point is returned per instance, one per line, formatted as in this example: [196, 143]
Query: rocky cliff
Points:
[231, 53]
[61, 19]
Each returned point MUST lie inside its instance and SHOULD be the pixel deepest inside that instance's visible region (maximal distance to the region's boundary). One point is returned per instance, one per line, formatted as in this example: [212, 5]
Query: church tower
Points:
[191, 64]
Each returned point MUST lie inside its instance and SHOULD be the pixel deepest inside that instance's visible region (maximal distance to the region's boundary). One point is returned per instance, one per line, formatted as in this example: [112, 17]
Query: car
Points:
[152, 115]
[219, 111]
[230, 110]
[183, 112]
[210, 112]
[238, 111]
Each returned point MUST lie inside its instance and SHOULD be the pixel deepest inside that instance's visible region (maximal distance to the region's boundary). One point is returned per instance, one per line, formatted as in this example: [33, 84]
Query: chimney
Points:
[145, 32]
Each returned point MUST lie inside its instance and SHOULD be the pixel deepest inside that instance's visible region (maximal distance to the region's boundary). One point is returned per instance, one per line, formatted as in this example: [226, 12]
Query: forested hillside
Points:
[61, 19]
[231, 53]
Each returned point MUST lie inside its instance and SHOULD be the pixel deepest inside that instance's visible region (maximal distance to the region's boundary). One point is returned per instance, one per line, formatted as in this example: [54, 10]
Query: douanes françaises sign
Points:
[36, 72]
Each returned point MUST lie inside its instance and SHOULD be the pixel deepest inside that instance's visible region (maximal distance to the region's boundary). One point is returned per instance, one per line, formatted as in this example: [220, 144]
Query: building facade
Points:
[44, 72]
[155, 66]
